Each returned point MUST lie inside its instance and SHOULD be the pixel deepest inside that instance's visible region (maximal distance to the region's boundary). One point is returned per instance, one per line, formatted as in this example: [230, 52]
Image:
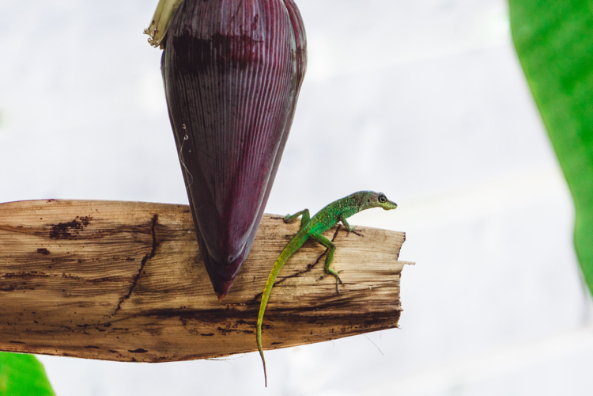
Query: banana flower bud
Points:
[232, 71]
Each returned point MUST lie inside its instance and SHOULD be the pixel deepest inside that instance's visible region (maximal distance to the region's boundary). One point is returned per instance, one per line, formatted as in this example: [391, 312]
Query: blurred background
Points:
[422, 100]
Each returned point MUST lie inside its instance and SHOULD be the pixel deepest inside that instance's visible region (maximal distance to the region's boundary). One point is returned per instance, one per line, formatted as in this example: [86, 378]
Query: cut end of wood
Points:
[124, 281]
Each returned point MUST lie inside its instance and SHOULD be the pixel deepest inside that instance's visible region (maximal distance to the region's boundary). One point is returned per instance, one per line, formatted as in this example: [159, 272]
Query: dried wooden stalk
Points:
[125, 281]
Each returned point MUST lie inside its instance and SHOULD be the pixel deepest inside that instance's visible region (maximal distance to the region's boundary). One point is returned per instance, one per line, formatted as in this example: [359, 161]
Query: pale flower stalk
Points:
[161, 20]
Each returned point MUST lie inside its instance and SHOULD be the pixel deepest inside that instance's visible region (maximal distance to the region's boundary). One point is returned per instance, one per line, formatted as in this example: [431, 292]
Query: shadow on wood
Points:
[124, 281]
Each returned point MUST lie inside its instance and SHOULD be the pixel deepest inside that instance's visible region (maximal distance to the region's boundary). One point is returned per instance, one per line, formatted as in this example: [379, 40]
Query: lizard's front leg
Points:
[349, 227]
[346, 224]
[330, 255]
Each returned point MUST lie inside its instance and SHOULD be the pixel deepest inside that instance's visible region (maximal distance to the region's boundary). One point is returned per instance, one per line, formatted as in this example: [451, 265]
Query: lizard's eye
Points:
[382, 198]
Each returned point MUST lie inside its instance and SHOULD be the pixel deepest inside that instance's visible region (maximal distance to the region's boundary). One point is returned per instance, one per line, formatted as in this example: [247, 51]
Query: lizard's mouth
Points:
[390, 205]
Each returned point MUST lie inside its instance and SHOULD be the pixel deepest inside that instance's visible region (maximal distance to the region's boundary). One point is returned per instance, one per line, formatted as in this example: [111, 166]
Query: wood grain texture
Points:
[124, 281]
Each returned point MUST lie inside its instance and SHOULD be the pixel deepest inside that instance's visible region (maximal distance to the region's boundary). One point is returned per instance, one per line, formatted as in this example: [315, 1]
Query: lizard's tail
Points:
[288, 251]
[261, 353]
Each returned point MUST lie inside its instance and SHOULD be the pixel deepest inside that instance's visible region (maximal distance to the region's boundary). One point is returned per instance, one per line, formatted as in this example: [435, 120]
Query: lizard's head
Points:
[379, 200]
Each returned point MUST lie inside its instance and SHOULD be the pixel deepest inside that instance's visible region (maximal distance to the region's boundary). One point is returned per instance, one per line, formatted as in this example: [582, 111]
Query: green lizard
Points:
[314, 227]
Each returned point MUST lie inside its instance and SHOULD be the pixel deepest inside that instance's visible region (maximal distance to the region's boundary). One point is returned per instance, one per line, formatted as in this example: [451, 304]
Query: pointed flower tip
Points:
[222, 289]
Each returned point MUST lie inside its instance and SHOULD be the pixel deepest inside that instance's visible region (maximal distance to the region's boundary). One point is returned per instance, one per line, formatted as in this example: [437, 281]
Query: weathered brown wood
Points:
[124, 281]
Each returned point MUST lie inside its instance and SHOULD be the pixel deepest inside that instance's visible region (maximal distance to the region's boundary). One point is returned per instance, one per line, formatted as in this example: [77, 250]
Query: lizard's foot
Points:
[338, 280]
[289, 219]
[335, 274]
[355, 233]
[350, 229]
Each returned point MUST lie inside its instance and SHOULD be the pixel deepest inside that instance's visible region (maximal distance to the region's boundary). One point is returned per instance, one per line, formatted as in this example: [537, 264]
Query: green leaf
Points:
[22, 375]
[554, 41]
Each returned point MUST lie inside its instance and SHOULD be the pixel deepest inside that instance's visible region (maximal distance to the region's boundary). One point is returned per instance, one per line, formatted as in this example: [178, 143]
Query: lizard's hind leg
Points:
[330, 256]
[292, 218]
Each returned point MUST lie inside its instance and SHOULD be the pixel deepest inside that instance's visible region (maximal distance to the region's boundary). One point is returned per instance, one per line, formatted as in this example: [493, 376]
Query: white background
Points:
[423, 100]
